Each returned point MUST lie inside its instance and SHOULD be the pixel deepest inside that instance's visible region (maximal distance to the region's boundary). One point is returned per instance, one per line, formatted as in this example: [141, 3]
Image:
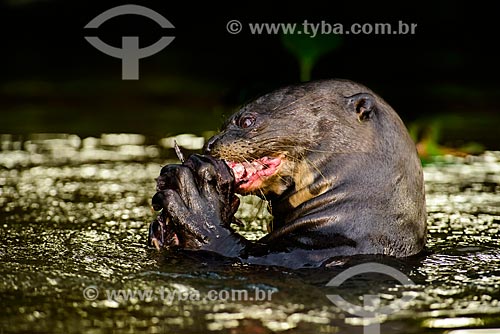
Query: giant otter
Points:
[334, 161]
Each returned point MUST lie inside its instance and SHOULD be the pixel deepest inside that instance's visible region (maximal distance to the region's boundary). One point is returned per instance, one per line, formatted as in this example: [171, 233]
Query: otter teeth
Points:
[238, 170]
[245, 171]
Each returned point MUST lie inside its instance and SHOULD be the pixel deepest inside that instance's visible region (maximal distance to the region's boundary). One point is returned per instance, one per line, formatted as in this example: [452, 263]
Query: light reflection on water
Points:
[75, 212]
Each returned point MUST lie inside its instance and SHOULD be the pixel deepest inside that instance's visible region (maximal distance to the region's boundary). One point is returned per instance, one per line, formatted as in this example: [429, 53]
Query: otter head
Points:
[299, 142]
[282, 138]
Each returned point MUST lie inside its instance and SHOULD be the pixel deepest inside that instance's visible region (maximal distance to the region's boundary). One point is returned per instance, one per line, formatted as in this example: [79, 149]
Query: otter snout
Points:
[209, 145]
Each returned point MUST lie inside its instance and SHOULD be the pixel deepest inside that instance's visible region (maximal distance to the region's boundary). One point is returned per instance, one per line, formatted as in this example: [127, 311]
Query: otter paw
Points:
[198, 203]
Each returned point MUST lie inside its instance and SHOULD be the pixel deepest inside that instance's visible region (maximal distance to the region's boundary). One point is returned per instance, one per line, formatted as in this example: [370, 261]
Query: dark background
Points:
[443, 78]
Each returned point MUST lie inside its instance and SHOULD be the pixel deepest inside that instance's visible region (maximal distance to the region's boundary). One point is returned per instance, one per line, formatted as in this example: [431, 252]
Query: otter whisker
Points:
[318, 170]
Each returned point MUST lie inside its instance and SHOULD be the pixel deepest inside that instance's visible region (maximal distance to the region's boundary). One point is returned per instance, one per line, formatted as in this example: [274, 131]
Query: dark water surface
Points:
[74, 218]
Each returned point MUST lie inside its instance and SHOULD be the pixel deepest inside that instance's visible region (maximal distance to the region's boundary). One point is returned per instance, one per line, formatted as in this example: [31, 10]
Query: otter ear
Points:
[363, 104]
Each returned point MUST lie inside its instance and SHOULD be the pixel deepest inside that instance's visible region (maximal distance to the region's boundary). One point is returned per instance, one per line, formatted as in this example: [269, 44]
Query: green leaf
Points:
[308, 50]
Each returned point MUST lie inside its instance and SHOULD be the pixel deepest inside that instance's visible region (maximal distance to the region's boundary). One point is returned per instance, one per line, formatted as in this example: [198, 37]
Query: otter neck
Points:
[344, 179]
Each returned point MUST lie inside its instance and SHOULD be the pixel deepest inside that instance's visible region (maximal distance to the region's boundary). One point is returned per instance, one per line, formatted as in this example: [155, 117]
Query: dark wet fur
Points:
[351, 183]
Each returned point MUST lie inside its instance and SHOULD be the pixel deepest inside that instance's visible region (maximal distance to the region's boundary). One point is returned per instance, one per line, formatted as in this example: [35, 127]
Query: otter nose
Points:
[209, 146]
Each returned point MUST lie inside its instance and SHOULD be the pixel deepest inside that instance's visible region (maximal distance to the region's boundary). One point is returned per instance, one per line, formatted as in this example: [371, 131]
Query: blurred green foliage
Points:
[432, 135]
[308, 50]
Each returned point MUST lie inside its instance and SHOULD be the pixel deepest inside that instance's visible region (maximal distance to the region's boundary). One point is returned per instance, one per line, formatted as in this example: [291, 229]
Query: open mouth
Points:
[250, 176]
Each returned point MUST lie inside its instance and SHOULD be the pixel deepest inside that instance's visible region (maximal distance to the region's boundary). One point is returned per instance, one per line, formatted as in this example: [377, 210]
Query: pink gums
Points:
[250, 176]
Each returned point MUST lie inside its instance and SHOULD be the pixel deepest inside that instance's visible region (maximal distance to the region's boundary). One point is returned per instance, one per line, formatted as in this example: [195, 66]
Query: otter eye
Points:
[246, 121]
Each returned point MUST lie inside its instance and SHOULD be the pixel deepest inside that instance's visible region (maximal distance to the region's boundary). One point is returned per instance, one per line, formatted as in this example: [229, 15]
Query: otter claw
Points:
[156, 243]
